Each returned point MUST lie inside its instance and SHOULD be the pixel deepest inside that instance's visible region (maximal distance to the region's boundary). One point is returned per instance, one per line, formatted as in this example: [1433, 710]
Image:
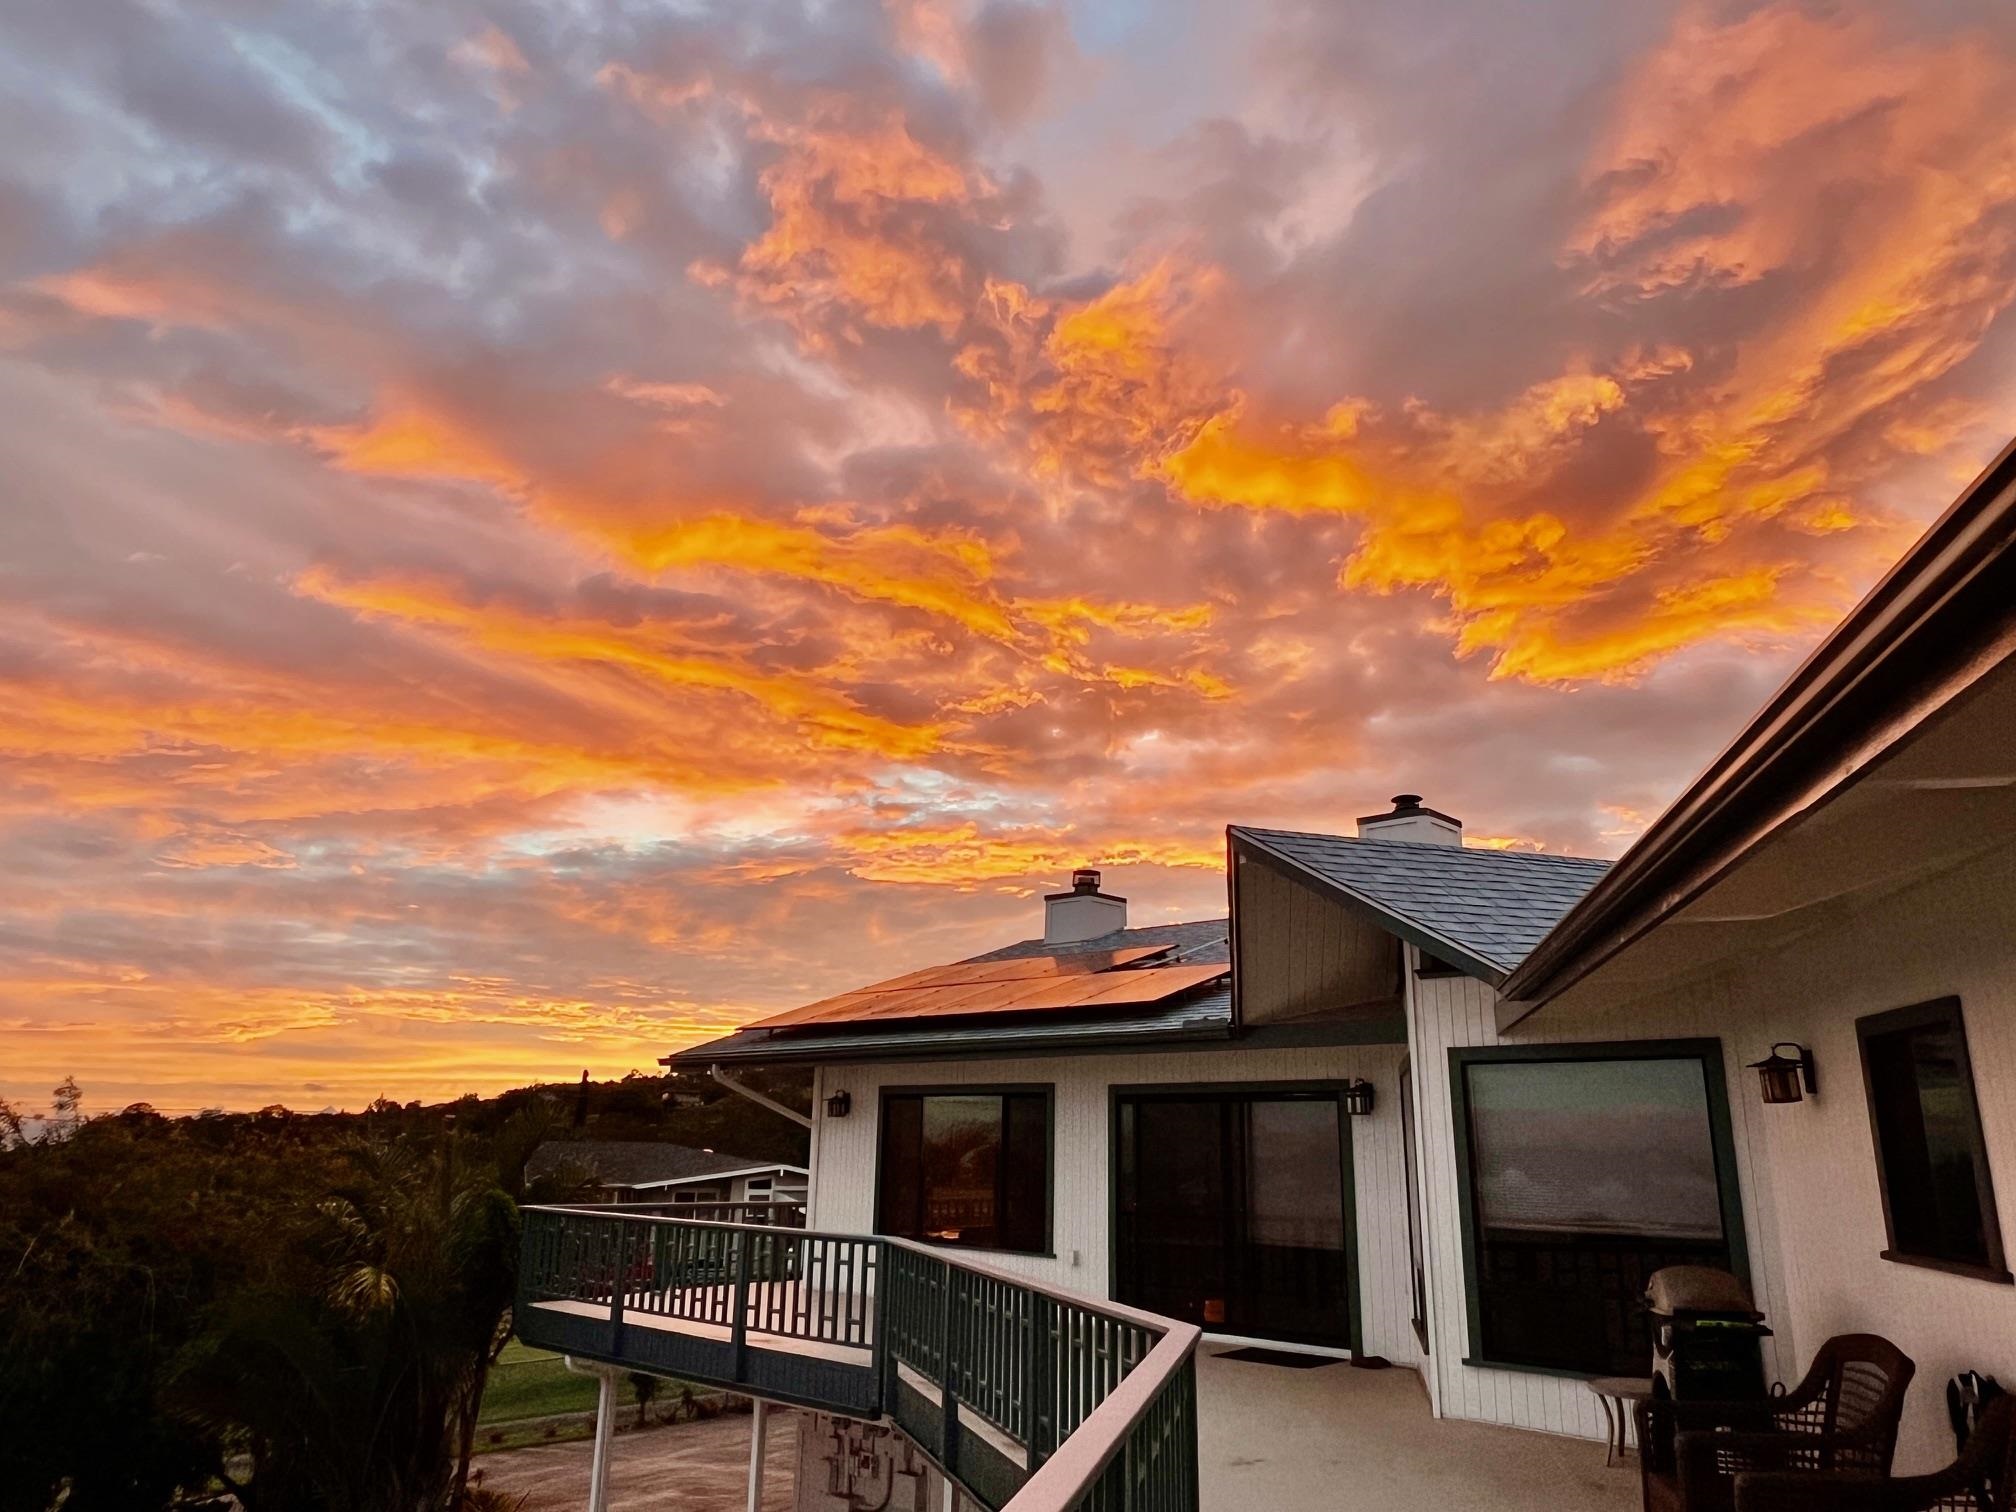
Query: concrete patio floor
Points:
[1270, 1439]
[1334, 1438]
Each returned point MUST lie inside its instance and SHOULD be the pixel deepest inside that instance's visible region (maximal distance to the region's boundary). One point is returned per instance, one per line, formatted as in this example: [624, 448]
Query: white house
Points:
[1448, 1107]
[1410, 1103]
[656, 1171]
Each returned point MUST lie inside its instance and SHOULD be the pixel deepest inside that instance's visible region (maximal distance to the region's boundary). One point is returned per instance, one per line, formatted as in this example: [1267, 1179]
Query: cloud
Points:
[526, 540]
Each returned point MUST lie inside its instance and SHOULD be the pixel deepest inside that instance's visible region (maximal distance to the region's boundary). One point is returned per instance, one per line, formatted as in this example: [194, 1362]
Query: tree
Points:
[357, 1386]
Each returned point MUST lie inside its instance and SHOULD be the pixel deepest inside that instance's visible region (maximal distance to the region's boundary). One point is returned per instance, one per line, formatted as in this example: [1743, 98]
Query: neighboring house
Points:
[1409, 1101]
[643, 1170]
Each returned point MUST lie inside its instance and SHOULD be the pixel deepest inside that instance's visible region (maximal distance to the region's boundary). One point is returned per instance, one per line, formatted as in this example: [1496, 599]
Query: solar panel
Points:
[1020, 968]
[1048, 993]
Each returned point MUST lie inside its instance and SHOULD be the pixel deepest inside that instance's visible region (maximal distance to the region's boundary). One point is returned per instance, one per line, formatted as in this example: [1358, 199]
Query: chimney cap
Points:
[1084, 884]
[1407, 806]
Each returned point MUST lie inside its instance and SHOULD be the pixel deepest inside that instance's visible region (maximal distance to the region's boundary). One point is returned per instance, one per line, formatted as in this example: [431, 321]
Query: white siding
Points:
[1811, 1205]
[1450, 1012]
[845, 1153]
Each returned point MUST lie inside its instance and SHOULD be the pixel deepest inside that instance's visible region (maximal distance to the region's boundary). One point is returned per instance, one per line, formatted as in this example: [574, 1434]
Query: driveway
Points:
[701, 1466]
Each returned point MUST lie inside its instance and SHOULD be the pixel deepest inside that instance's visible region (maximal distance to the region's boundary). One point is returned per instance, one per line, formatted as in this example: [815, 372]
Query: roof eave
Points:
[813, 1048]
[1938, 621]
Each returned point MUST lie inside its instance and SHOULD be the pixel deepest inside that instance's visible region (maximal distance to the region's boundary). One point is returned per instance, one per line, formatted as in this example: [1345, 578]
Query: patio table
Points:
[1619, 1397]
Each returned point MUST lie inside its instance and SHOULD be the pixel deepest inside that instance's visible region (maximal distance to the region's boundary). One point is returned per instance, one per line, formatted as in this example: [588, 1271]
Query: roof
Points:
[1479, 910]
[1203, 1013]
[1198, 941]
[641, 1162]
[1925, 636]
[1079, 979]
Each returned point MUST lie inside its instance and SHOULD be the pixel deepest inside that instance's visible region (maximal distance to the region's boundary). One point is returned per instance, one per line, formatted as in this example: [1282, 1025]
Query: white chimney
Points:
[1410, 821]
[1084, 913]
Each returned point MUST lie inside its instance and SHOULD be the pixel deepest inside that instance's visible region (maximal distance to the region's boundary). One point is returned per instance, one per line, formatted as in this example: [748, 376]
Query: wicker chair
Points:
[1983, 1479]
[1843, 1416]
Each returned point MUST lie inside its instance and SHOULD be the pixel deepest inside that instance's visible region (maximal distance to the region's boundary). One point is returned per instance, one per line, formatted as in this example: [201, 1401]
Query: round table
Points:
[1619, 1396]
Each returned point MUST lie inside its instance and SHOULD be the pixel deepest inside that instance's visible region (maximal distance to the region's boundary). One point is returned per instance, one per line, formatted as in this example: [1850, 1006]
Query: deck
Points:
[1334, 1439]
[1329, 1439]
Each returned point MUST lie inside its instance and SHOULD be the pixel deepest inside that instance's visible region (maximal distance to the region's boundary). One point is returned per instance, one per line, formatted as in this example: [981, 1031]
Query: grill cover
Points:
[1683, 1289]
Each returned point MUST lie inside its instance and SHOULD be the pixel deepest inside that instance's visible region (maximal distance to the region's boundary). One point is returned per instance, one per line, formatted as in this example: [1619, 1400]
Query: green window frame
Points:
[1707, 1052]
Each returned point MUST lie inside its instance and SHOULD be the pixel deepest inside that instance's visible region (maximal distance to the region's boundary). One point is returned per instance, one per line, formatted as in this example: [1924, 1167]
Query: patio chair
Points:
[1982, 1479]
[1842, 1416]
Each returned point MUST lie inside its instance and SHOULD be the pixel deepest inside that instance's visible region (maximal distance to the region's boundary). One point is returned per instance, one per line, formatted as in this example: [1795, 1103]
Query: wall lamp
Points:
[1782, 1075]
[839, 1105]
[1358, 1097]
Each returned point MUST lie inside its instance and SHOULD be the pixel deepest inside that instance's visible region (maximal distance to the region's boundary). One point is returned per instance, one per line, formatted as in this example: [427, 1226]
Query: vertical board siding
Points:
[1081, 1185]
[1446, 1013]
[1812, 1211]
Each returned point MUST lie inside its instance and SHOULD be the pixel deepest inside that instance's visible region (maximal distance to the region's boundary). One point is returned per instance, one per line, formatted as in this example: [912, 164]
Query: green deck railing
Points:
[1031, 1398]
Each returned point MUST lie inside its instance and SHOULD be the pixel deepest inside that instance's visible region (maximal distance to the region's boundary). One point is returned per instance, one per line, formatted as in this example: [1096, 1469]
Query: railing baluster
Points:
[739, 1335]
[1030, 1362]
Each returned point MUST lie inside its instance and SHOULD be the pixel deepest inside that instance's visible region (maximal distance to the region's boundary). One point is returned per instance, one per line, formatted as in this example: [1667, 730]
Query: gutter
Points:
[1923, 637]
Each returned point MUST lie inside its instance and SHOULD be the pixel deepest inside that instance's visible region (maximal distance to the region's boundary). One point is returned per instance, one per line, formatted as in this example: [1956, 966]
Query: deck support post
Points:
[605, 1429]
[759, 1422]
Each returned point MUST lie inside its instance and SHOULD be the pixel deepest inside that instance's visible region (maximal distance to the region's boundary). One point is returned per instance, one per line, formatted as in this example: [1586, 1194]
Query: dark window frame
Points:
[1045, 1090]
[1722, 1141]
[1943, 1012]
[1316, 1088]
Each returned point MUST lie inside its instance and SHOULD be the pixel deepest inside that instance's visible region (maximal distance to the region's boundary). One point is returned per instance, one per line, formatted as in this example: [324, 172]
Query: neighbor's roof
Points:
[1479, 910]
[640, 1162]
[1927, 634]
[1201, 1011]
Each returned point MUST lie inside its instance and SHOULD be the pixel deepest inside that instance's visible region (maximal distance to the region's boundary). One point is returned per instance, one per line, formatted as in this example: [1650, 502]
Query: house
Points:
[644, 1170]
[1447, 1108]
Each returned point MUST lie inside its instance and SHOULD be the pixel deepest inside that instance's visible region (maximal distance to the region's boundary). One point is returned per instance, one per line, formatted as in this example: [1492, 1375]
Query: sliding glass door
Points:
[1232, 1210]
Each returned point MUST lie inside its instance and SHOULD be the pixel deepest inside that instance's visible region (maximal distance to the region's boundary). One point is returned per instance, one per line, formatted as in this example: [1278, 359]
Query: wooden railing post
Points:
[1037, 1373]
[948, 1394]
[616, 1283]
[739, 1328]
[879, 1298]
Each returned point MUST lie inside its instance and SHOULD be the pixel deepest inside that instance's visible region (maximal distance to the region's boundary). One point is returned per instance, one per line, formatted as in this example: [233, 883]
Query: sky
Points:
[532, 533]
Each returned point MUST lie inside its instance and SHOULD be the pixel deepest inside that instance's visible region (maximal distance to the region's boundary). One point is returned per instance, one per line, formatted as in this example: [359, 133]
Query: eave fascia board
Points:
[1889, 667]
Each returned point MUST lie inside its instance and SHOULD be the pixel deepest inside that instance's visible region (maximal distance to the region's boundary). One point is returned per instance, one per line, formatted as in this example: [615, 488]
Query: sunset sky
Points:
[530, 533]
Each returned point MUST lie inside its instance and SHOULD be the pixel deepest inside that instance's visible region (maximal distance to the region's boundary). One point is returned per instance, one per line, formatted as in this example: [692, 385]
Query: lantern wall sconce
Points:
[1783, 1075]
[1358, 1097]
[839, 1105]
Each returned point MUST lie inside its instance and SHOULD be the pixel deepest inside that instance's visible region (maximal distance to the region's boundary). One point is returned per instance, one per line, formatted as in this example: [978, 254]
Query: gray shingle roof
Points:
[1494, 905]
[1197, 943]
[629, 1162]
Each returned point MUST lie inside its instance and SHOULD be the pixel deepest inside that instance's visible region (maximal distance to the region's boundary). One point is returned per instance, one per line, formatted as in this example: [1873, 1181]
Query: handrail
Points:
[1071, 1474]
[1097, 1399]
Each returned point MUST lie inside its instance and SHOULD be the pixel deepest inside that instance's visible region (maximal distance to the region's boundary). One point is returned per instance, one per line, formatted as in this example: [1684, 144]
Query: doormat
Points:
[1284, 1357]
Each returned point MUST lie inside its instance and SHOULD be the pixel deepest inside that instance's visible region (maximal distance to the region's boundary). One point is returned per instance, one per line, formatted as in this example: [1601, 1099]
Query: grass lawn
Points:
[530, 1383]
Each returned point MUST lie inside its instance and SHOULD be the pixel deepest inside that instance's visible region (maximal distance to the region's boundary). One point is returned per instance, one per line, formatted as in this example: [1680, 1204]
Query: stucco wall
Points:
[844, 1152]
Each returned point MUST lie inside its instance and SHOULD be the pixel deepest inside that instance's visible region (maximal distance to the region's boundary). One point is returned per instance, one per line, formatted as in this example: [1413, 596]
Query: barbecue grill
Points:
[1707, 1336]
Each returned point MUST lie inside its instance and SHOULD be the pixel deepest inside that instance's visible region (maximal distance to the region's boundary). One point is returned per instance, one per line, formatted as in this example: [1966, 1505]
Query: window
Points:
[1931, 1162]
[966, 1167]
[1584, 1169]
